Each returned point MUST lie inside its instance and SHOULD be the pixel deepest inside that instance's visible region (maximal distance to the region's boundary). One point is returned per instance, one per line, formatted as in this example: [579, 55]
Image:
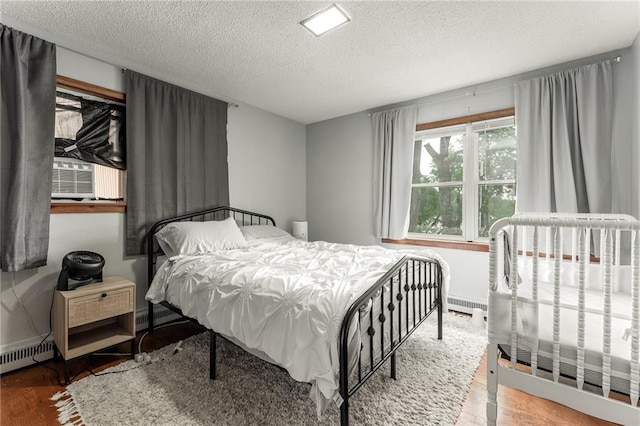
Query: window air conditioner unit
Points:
[72, 178]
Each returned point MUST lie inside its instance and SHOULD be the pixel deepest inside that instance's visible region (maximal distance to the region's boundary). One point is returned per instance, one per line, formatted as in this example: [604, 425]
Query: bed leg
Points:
[212, 355]
[393, 366]
[344, 413]
[440, 318]
[492, 384]
[150, 316]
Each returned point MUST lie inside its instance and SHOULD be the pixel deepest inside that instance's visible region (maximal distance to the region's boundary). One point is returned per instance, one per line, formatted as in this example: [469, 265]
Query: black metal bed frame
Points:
[411, 278]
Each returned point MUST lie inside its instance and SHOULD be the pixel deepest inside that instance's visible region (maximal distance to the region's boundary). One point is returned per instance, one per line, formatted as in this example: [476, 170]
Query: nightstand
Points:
[94, 317]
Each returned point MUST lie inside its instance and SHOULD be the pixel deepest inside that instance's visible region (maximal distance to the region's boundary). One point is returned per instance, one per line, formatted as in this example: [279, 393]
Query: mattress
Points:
[535, 323]
[282, 299]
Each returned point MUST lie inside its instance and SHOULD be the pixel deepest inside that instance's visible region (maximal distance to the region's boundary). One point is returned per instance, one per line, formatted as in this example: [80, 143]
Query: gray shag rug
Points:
[433, 378]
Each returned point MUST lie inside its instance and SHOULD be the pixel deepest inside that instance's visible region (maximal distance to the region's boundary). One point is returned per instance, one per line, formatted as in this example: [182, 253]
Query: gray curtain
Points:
[176, 154]
[393, 138]
[564, 130]
[28, 93]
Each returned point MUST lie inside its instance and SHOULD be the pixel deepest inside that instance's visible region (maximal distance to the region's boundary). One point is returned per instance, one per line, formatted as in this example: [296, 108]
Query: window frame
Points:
[104, 206]
[470, 184]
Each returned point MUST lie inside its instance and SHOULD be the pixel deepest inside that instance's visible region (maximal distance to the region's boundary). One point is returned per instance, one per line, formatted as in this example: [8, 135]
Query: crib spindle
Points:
[534, 293]
[635, 318]
[557, 262]
[606, 332]
[583, 238]
[513, 281]
[548, 244]
[602, 238]
[523, 238]
[616, 259]
[615, 277]
[574, 244]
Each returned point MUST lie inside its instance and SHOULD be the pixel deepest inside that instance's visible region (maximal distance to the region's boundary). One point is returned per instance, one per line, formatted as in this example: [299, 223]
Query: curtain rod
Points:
[489, 89]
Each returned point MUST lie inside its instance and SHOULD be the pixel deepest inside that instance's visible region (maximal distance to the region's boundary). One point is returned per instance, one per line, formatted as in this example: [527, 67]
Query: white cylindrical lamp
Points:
[300, 230]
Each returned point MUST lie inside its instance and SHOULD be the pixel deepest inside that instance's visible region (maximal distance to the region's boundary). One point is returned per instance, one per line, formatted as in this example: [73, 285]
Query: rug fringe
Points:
[68, 413]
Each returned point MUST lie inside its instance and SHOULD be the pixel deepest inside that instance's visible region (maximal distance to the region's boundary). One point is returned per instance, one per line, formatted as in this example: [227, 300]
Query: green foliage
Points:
[431, 203]
[496, 202]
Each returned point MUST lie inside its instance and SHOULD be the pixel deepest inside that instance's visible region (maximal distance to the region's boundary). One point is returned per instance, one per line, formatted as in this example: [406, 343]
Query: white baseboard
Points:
[19, 354]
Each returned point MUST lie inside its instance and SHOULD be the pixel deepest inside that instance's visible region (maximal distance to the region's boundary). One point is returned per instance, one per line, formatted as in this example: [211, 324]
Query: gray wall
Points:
[635, 122]
[267, 155]
[267, 164]
[340, 157]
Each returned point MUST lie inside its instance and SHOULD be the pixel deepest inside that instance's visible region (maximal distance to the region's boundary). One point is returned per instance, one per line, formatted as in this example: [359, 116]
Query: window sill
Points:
[89, 207]
[449, 244]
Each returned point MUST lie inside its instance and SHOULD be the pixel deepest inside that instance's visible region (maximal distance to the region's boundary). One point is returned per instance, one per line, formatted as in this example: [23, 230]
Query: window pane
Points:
[68, 118]
[436, 210]
[495, 202]
[438, 159]
[497, 153]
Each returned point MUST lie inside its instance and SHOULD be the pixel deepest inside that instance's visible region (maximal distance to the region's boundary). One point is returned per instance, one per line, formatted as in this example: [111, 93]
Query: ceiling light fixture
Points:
[325, 20]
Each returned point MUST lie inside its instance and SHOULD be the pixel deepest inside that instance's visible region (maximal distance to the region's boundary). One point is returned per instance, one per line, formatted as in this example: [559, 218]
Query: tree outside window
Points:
[463, 178]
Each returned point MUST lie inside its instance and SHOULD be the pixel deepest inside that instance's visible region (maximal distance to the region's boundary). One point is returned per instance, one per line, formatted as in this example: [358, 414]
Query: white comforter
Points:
[283, 297]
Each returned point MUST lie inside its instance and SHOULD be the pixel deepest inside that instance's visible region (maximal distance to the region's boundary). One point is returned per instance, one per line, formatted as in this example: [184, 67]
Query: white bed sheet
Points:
[281, 298]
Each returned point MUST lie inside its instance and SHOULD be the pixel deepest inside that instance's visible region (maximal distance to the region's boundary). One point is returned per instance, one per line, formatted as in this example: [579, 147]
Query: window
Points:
[89, 163]
[464, 176]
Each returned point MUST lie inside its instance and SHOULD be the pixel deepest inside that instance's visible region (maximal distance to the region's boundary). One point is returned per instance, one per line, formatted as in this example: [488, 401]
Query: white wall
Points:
[340, 165]
[267, 164]
[267, 157]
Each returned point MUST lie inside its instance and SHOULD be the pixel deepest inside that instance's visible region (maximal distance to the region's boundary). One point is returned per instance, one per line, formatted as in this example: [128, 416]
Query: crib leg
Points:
[492, 384]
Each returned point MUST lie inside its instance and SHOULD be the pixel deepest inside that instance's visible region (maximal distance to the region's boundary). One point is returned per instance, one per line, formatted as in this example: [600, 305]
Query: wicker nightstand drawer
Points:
[100, 306]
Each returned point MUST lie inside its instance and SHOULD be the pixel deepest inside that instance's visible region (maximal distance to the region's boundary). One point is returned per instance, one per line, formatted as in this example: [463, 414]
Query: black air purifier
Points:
[80, 267]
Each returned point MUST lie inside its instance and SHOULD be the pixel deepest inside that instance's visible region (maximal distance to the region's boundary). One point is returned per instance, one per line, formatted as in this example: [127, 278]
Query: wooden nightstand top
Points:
[107, 284]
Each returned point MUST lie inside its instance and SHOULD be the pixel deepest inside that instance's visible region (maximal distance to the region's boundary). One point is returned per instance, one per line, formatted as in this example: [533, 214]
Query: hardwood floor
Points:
[516, 407]
[25, 393]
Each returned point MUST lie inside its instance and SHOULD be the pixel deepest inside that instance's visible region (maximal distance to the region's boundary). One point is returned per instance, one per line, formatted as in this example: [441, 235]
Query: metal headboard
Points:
[242, 217]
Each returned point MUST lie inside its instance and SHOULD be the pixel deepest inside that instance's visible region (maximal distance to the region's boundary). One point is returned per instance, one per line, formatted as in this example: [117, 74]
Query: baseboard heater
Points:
[22, 357]
[465, 306]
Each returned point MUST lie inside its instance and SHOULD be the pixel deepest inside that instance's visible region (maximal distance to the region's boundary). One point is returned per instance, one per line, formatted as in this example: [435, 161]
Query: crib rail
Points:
[555, 241]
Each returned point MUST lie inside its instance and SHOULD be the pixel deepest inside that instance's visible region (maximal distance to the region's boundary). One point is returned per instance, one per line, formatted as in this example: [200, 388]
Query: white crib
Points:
[564, 299]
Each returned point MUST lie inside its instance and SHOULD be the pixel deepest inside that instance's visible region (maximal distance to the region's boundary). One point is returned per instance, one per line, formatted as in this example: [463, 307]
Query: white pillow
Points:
[255, 232]
[191, 238]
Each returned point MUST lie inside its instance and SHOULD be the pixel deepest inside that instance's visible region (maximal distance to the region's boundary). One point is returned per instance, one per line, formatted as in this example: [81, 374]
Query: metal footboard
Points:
[407, 294]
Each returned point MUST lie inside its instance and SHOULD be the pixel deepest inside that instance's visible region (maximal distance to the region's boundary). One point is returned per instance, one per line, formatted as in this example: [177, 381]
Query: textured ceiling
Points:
[257, 53]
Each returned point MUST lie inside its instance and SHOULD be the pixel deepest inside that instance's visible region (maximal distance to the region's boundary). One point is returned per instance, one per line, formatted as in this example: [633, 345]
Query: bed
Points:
[564, 301]
[330, 314]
